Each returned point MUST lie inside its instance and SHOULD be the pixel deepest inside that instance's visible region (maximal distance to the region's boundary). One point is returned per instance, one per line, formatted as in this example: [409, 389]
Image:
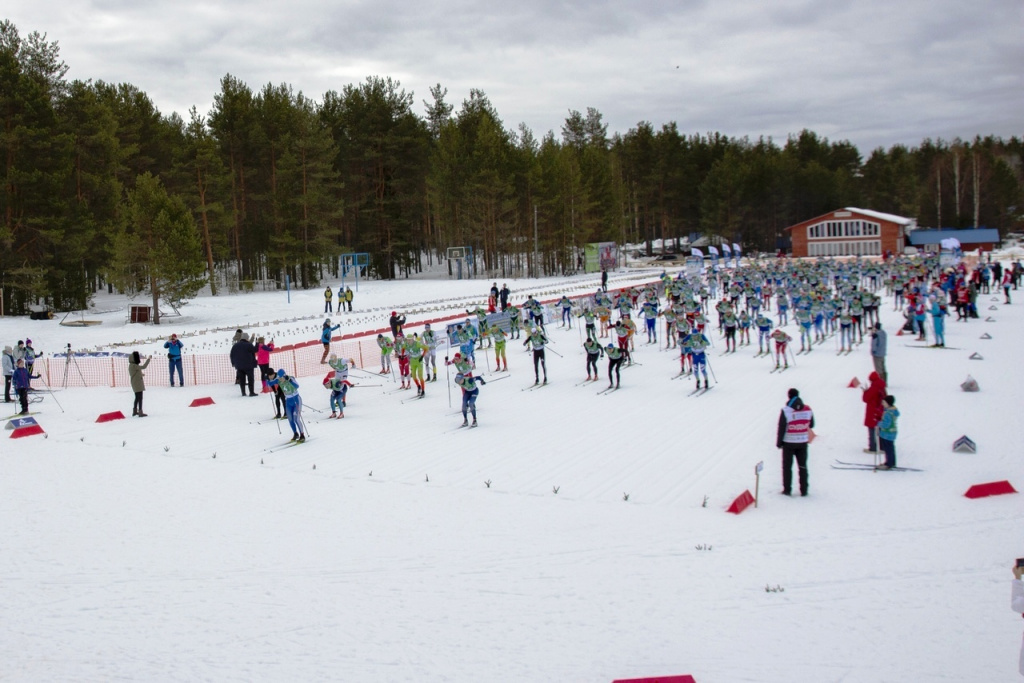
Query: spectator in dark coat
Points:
[243, 360]
[396, 324]
[795, 423]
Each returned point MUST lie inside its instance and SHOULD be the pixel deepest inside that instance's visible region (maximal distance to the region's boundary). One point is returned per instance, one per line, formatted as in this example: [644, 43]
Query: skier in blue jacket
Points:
[292, 403]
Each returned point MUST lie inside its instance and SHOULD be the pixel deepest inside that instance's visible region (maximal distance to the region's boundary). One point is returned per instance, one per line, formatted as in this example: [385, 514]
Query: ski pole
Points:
[710, 369]
[273, 403]
[448, 382]
[556, 353]
[51, 392]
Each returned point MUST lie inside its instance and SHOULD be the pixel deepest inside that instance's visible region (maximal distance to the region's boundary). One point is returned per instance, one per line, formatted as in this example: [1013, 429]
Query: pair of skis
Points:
[843, 465]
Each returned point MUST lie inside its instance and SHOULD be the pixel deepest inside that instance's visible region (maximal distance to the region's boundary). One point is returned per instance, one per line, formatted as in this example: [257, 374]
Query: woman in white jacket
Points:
[1017, 602]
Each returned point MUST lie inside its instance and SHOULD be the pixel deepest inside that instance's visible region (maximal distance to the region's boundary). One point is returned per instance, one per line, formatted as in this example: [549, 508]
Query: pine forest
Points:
[102, 190]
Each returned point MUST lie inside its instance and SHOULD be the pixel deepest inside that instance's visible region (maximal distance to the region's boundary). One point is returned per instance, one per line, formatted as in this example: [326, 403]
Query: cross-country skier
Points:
[649, 311]
[588, 316]
[402, 354]
[481, 323]
[845, 331]
[461, 363]
[565, 303]
[744, 321]
[764, 330]
[803, 319]
[513, 321]
[341, 368]
[781, 342]
[782, 304]
[429, 340]
[500, 340]
[292, 403]
[469, 393]
[537, 340]
[337, 386]
[416, 350]
[698, 344]
[730, 323]
[386, 346]
[594, 352]
[615, 359]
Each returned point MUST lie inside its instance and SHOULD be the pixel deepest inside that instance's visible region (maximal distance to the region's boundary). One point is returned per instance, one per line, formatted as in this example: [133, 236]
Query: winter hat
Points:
[244, 337]
[8, 350]
[281, 373]
[28, 341]
[890, 400]
[793, 393]
[394, 313]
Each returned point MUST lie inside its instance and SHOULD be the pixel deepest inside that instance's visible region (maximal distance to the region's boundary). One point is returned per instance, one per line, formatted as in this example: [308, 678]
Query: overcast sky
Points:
[874, 72]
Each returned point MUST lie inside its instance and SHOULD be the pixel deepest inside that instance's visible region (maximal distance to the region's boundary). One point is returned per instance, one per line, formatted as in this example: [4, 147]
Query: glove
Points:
[482, 381]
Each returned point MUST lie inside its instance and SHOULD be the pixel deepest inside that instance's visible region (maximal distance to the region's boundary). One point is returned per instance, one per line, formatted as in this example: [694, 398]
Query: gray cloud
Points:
[872, 72]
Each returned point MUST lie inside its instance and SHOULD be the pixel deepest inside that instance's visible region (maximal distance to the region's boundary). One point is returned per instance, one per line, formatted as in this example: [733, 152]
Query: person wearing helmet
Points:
[462, 364]
[594, 352]
[279, 400]
[292, 402]
[396, 324]
[386, 347]
[536, 341]
[429, 341]
[470, 391]
[615, 358]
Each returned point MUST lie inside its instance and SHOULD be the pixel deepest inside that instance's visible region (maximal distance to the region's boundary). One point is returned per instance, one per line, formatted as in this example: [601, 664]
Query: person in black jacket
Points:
[396, 324]
[243, 360]
[503, 295]
[795, 423]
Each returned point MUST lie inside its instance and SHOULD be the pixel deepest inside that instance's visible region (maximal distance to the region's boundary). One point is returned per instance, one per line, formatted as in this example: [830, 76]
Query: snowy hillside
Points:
[393, 546]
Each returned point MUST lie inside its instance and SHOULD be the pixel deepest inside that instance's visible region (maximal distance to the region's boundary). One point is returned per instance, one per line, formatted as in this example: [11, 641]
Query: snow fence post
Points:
[757, 480]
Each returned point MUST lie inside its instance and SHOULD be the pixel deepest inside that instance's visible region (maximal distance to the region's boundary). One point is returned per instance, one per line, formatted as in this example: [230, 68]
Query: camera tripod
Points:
[70, 360]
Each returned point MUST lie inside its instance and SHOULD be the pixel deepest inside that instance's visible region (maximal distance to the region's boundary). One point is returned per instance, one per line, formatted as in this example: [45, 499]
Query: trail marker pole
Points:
[757, 480]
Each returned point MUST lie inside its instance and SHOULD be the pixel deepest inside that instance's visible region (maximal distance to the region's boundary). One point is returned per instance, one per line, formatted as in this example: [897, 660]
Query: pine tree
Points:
[157, 249]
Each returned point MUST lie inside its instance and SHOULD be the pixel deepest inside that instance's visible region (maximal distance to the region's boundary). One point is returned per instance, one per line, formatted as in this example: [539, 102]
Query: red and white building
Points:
[851, 232]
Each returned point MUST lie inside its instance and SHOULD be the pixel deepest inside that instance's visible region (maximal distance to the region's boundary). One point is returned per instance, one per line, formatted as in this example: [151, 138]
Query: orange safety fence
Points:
[299, 360]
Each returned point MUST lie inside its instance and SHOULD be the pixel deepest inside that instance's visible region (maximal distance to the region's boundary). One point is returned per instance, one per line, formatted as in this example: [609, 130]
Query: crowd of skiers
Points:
[821, 299]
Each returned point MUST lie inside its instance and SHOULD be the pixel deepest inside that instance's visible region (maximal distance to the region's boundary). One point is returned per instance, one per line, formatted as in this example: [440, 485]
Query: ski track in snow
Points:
[121, 556]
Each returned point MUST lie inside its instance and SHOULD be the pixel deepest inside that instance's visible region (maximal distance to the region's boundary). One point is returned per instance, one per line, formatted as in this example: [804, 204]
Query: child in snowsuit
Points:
[887, 432]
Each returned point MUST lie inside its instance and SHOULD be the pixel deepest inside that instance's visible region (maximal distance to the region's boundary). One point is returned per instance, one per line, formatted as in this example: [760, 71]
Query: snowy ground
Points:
[176, 548]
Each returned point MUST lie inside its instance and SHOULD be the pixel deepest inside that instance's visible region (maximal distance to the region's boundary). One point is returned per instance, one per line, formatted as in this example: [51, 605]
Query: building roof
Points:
[868, 213]
[892, 218]
[936, 235]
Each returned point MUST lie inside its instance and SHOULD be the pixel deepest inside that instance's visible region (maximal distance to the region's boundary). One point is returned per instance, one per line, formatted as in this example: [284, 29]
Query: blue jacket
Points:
[174, 348]
[325, 336]
[887, 426]
[20, 378]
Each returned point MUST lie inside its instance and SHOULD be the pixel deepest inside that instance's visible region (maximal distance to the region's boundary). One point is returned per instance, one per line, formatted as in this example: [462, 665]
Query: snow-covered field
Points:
[177, 548]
